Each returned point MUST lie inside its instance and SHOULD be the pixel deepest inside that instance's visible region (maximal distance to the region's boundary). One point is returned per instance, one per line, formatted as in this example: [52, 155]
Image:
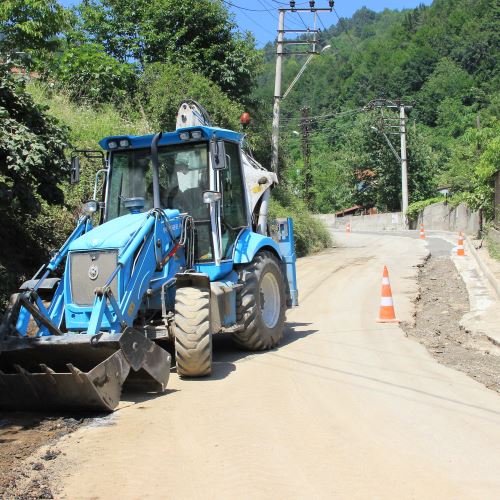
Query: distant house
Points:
[356, 210]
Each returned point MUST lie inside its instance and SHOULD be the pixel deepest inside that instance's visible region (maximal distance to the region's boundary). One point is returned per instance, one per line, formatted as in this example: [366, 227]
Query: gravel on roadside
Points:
[440, 304]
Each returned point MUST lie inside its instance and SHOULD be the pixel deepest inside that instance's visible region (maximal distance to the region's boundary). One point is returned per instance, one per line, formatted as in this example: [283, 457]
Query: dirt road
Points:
[346, 408]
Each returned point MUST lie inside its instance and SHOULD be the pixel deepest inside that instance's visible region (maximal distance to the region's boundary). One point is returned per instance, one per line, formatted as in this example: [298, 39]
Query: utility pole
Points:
[277, 92]
[281, 42]
[388, 123]
[304, 126]
[404, 159]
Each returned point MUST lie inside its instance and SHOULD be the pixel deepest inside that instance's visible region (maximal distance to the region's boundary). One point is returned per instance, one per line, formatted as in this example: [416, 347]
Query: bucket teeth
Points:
[49, 372]
[21, 370]
[46, 369]
[71, 374]
[78, 374]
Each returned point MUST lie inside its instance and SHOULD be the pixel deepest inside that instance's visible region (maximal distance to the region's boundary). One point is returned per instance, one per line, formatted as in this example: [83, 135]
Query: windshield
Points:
[183, 178]
[183, 173]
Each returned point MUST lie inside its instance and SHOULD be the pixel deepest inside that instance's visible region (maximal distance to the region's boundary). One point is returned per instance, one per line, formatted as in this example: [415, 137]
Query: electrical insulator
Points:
[332, 3]
[311, 3]
[292, 4]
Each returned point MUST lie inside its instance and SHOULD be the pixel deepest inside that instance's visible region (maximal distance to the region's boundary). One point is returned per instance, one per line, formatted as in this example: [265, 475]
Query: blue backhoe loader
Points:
[175, 249]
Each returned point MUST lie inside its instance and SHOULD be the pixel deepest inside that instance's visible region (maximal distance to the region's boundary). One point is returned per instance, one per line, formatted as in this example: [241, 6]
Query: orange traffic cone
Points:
[386, 313]
[422, 232]
[460, 246]
[348, 227]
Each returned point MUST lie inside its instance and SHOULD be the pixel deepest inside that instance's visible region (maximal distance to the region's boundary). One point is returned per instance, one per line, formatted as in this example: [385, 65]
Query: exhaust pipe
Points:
[156, 170]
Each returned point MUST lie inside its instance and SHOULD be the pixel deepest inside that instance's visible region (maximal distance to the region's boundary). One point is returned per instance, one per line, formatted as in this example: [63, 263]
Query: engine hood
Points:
[115, 233]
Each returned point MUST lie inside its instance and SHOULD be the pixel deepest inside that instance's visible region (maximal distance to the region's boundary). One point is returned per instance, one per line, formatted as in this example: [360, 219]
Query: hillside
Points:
[442, 58]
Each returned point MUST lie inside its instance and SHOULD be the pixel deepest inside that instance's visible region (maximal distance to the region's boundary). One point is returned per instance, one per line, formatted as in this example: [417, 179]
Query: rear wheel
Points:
[193, 339]
[261, 303]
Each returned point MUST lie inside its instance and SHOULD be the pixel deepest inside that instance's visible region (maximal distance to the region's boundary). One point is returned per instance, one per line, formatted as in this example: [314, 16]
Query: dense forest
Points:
[440, 58]
[69, 77]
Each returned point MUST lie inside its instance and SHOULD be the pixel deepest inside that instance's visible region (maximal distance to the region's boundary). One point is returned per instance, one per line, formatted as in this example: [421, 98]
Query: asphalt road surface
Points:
[345, 408]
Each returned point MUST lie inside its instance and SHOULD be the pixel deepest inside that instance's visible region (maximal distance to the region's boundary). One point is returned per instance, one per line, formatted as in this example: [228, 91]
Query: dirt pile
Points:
[20, 436]
[441, 303]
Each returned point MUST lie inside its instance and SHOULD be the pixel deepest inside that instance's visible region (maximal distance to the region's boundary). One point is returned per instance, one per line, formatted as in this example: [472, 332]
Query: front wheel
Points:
[261, 303]
[193, 338]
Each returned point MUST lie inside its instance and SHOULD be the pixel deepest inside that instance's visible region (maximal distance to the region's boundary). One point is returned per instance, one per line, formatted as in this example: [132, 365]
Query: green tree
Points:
[202, 34]
[32, 161]
[90, 75]
[447, 81]
[31, 26]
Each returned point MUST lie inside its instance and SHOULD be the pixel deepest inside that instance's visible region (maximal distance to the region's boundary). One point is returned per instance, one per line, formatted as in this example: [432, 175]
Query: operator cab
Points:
[185, 171]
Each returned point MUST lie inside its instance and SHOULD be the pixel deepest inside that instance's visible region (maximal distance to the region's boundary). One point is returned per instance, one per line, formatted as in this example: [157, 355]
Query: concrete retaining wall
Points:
[437, 216]
[447, 218]
[376, 222]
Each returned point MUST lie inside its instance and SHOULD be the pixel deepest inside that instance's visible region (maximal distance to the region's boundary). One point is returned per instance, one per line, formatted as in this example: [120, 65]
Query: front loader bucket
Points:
[70, 373]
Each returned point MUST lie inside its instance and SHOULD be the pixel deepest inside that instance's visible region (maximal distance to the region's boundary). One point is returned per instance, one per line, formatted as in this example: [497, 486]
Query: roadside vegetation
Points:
[442, 59]
[69, 77]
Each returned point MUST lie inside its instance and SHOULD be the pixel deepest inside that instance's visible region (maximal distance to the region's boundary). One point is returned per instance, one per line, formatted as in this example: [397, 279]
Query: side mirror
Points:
[219, 156]
[75, 170]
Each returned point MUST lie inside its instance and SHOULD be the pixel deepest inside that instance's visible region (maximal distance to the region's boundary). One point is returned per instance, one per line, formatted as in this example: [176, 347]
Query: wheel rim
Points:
[270, 300]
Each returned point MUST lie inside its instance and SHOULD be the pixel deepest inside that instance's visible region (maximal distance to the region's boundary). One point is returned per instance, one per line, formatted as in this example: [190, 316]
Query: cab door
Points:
[234, 207]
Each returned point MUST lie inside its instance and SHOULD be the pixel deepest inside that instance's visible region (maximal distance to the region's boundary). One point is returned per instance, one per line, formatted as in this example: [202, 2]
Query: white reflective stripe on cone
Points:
[385, 281]
[386, 301]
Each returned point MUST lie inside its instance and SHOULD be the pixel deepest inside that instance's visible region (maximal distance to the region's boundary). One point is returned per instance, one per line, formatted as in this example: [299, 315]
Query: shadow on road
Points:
[226, 352]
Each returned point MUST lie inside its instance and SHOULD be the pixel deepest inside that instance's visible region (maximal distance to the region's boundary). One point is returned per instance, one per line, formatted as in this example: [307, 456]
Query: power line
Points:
[258, 24]
[244, 8]
[345, 30]
[324, 27]
[268, 11]
[288, 3]
[302, 20]
[291, 21]
[329, 115]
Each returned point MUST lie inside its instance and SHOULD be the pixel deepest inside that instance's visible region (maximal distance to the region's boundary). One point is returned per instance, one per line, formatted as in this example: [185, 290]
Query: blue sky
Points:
[262, 20]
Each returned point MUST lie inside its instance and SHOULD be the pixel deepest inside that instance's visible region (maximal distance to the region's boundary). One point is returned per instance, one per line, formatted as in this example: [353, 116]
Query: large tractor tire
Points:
[261, 303]
[193, 338]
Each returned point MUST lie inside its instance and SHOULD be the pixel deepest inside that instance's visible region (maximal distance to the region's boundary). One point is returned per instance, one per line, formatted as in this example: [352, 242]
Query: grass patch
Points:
[493, 248]
[311, 234]
[87, 125]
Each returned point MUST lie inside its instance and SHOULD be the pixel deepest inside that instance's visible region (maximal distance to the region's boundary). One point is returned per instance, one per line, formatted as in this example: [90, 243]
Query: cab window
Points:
[234, 216]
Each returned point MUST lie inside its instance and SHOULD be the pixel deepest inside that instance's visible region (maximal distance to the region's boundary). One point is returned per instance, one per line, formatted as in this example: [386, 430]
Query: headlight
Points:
[90, 207]
[196, 134]
[184, 136]
[112, 144]
[124, 143]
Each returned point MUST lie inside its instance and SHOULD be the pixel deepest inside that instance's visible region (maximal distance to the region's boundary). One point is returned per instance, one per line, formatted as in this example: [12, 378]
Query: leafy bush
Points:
[311, 235]
[91, 76]
[415, 208]
[163, 87]
[32, 166]
[32, 161]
